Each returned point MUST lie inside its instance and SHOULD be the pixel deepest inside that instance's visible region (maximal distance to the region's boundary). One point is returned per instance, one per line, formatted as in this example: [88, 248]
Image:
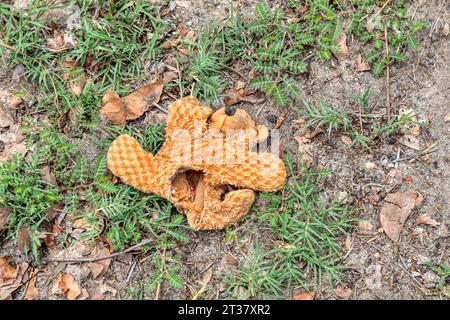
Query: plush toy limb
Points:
[185, 113]
[139, 168]
[217, 214]
[267, 174]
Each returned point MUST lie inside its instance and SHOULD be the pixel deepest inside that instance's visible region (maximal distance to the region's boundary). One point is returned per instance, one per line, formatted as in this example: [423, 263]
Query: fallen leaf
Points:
[305, 149]
[203, 282]
[6, 119]
[142, 99]
[84, 295]
[66, 285]
[74, 76]
[305, 296]
[343, 292]
[95, 293]
[426, 219]
[361, 66]
[114, 109]
[61, 42]
[11, 285]
[280, 120]
[395, 177]
[48, 176]
[8, 100]
[32, 292]
[169, 76]
[346, 140]
[409, 128]
[410, 141]
[99, 267]
[365, 225]
[4, 216]
[133, 106]
[311, 134]
[341, 53]
[23, 239]
[447, 118]
[240, 93]
[298, 123]
[8, 271]
[396, 209]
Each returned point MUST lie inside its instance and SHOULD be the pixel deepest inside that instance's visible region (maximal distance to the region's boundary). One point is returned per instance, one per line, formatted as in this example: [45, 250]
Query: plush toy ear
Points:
[230, 118]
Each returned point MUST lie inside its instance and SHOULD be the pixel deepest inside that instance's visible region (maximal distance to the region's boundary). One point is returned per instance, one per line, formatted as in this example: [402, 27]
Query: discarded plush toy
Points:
[213, 194]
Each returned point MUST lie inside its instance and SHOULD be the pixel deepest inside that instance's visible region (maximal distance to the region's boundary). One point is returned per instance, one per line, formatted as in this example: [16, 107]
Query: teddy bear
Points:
[213, 192]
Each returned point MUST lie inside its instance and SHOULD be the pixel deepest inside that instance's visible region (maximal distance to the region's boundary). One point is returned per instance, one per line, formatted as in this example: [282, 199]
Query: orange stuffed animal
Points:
[201, 189]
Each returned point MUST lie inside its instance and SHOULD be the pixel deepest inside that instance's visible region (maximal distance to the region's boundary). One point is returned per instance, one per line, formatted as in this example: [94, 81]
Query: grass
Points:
[307, 228]
[110, 51]
[363, 132]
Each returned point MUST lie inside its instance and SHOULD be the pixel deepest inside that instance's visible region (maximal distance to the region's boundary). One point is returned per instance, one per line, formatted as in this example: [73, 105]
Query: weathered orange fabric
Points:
[196, 187]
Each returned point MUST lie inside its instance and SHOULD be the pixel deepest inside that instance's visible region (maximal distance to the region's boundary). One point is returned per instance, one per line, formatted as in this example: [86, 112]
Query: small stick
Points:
[414, 157]
[112, 255]
[388, 86]
[160, 108]
[130, 273]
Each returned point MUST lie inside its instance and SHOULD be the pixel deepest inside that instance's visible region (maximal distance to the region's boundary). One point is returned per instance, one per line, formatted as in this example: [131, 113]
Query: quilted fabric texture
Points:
[198, 164]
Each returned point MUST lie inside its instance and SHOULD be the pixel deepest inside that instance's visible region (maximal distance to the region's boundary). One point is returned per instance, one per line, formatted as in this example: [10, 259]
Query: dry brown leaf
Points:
[305, 296]
[206, 278]
[99, 267]
[48, 176]
[346, 140]
[203, 282]
[6, 119]
[8, 271]
[365, 225]
[409, 128]
[169, 76]
[8, 100]
[23, 239]
[395, 177]
[66, 285]
[84, 295]
[133, 106]
[114, 109]
[305, 149]
[142, 99]
[11, 285]
[307, 133]
[298, 123]
[410, 141]
[343, 292]
[341, 53]
[396, 209]
[32, 292]
[239, 94]
[61, 42]
[361, 66]
[426, 219]
[95, 293]
[75, 81]
[280, 120]
[4, 216]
